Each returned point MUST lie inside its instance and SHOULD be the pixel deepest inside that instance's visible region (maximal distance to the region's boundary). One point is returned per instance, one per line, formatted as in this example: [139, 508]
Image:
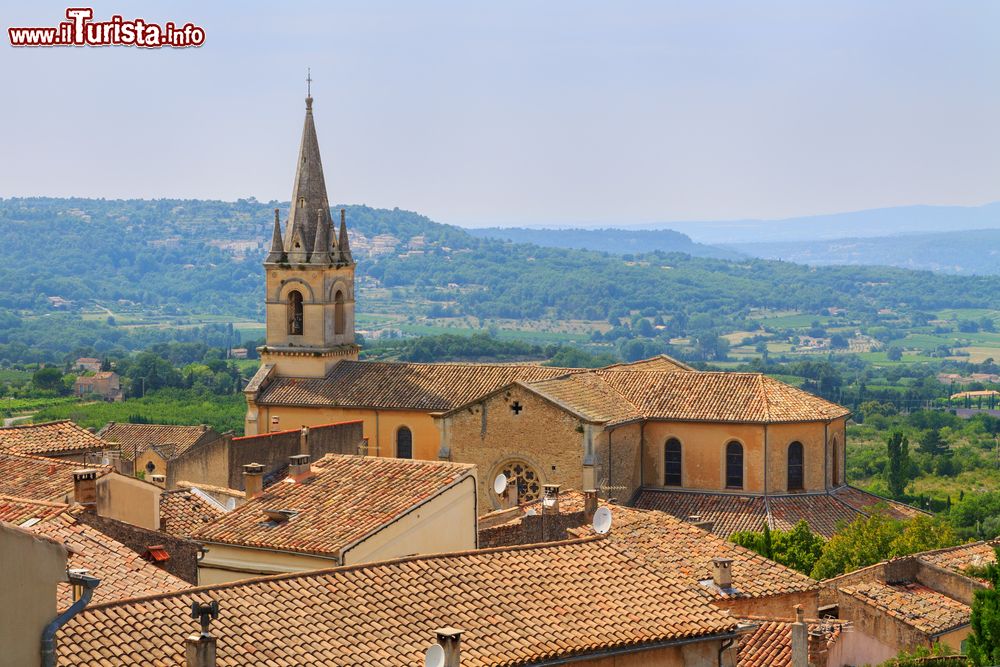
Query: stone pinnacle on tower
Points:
[321, 246]
[277, 253]
[343, 245]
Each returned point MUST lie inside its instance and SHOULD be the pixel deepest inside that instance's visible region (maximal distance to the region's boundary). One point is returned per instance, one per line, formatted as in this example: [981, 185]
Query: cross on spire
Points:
[309, 82]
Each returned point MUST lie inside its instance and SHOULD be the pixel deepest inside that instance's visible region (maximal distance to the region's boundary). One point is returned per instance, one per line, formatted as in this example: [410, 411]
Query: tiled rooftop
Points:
[516, 606]
[170, 441]
[770, 645]
[957, 559]
[916, 605]
[21, 511]
[123, 572]
[39, 478]
[183, 511]
[58, 438]
[348, 497]
[732, 512]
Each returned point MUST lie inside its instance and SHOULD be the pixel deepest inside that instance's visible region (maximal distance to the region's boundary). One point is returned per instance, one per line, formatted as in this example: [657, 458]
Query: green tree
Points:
[894, 353]
[798, 548]
[932, 443]
[898, 470]
[49, 379]
[984, 642]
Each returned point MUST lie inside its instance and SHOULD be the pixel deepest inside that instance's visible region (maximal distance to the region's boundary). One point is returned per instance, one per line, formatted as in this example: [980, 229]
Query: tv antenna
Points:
[434, 656]
[602, 521]
[500, 484]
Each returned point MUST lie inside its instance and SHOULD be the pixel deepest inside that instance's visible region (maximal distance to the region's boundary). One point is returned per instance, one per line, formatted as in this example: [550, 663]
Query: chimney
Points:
[800, 639]
[159, 480]
[304, 440]
[550, 499]
[589, 504]
[85, 488]
[199, 648]
[299, 468]
[253, 479]
[450, 640]
[509, 498]
[722, 572]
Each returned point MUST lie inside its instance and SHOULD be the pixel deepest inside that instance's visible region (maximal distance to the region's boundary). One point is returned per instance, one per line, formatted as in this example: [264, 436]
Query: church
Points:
[733, 449]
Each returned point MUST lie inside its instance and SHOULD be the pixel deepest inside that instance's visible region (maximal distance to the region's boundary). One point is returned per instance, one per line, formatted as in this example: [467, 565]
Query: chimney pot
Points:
[253, 479]
[722, 572]
[800, 639]
[450, 640]
[159, 480]
[550, 499]
[85, 488]
[589, 504]
[299, 468]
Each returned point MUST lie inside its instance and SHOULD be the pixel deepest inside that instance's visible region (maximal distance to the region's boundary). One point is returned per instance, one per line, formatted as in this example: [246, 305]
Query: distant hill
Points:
[617, 241]
[975, 252]
[856, 224]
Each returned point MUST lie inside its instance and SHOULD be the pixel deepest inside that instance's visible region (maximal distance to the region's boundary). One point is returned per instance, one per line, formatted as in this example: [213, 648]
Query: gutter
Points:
[76, 578]
[625, 650]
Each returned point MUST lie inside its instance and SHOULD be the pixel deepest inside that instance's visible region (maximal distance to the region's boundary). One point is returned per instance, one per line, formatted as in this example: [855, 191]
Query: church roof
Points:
[515, 605]
[309, 191]
[401, 386]
[733, 512]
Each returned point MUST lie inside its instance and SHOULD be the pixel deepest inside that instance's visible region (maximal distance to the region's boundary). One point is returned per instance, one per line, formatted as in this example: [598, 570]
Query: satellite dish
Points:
[531, 512]
[602, 520]
[434, 657]
[500, 484]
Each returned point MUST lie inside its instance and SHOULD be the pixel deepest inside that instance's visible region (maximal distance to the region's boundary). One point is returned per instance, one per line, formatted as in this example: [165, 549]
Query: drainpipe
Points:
[87, 583]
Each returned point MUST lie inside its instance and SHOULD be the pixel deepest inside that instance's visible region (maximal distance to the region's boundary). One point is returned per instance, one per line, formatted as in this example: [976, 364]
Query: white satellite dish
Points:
[602, 520]
[500, 484]
[434, 657]
[531, 512]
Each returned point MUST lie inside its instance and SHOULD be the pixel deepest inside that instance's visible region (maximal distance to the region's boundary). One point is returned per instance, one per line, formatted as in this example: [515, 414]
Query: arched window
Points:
[295, 313]
[404, 443]
[338, 313]
[734, 465]
[672, 462]
[796, 472]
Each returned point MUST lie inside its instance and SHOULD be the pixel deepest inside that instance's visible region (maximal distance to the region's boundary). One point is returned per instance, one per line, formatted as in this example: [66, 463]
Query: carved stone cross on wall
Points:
[516, 407]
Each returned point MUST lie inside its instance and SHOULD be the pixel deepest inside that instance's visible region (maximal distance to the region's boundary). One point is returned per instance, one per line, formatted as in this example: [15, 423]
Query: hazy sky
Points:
[522, 112]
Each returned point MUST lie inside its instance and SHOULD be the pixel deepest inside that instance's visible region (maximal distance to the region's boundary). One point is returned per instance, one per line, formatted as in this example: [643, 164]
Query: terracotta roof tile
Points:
[515, 606]
[587, 395]
[19, 511]
[348, 497]
[57, 438]
[183, 511]
[168, 439]
[123, 572]
[401, 385]
[39, 478]
[916, 605]
[732, 512]
[770, 645]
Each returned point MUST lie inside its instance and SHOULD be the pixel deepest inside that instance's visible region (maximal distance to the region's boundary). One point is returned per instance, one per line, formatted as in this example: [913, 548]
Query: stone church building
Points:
[736, 449]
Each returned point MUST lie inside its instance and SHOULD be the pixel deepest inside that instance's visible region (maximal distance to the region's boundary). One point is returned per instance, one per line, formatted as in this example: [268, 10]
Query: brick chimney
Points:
[299, 467]
[550, 499]
[253, 479]
[800, 639]
[589, 504]
[722, 572]
[85, 488]
[450, 640]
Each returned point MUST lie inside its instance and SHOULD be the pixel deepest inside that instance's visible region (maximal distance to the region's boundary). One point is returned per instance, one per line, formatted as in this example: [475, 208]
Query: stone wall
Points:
[531, 530]
[183, 561]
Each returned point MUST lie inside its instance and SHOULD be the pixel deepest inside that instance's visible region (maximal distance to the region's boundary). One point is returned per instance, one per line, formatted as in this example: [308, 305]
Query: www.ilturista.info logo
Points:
[80, 30]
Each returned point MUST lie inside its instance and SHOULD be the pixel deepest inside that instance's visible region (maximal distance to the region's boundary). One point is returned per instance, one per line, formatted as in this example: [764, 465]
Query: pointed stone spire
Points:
[277, 253]
[308, 193]
[343, 245]
[321, 246]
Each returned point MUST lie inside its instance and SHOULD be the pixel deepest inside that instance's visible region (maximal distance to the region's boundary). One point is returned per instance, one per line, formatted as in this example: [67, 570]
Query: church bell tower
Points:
[310, 276]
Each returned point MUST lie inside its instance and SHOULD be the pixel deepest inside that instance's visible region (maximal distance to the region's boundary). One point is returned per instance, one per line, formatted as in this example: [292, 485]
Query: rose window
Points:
[529, 486]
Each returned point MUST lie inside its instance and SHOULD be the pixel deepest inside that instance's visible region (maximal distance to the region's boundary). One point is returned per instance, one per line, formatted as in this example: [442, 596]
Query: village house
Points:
[150, 448]
[87, 365]
[103, 384]
[587, 600]
[341, 510]
[59, 439]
